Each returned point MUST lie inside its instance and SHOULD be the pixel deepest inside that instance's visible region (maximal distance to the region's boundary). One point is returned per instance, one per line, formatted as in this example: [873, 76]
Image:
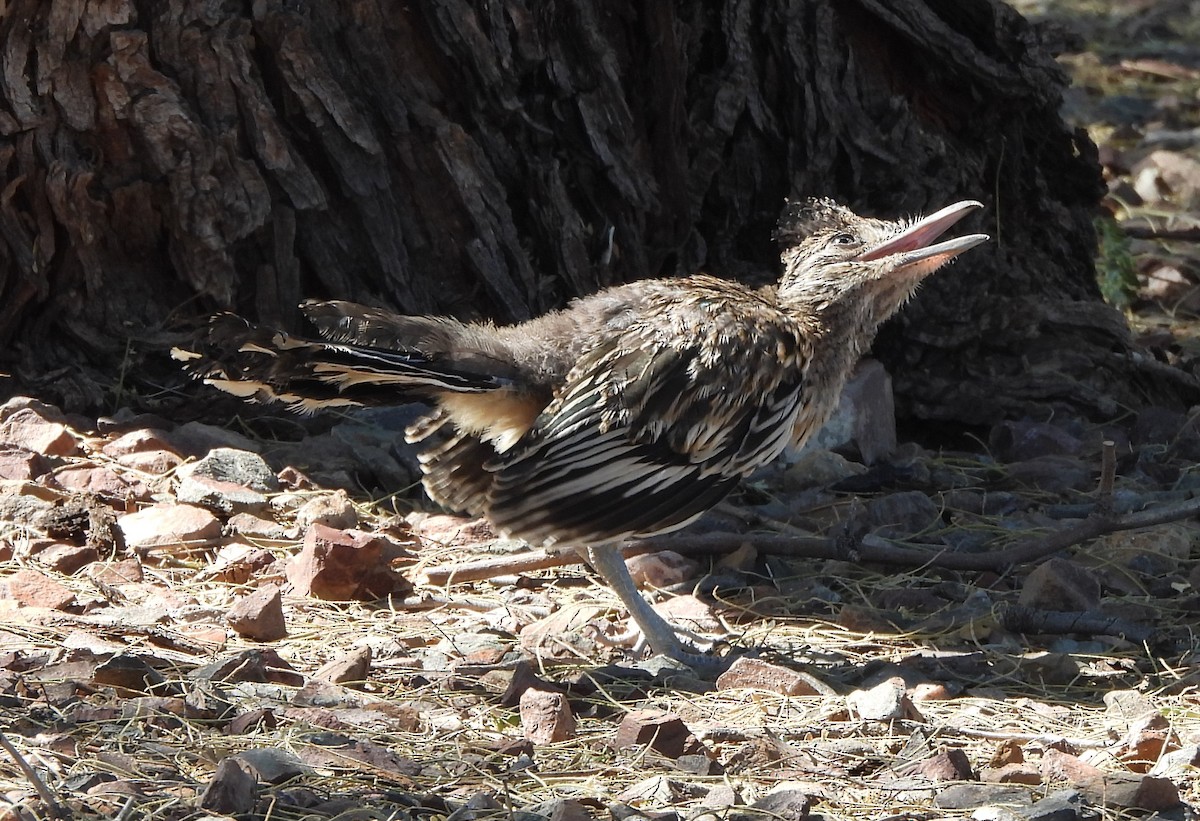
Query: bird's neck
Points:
[841, 329]
[843, 321]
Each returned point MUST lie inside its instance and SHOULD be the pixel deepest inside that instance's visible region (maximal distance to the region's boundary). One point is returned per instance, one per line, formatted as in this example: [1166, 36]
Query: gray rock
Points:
[232, 790]
[1060, 585]
[1016, 441]
[970, 796]
[788, 801]
[228, 480]
[1064, 805]
[556, 809]
[271, 764]
[865, 417]
[241, 467]
[1052, 474]
[380, 449]
[225, 497]
[901, 514]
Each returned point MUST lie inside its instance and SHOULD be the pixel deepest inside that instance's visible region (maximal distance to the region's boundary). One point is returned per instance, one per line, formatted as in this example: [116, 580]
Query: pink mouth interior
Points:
[922, 233]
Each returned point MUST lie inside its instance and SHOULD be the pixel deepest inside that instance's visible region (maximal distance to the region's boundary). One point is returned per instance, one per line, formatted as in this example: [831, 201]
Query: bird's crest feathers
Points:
[801, 219]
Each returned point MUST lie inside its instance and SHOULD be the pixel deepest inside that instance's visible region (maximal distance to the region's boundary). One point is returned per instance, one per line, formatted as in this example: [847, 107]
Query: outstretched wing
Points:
[643, 438]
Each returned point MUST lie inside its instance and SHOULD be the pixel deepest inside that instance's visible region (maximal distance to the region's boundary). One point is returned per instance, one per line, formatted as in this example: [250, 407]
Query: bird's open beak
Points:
[911, 246]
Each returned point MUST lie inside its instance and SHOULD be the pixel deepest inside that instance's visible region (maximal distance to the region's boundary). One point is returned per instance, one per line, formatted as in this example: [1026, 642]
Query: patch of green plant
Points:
[1115, 272]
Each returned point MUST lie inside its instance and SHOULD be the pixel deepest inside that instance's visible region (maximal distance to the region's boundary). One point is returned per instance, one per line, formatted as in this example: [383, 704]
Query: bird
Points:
[626, 414]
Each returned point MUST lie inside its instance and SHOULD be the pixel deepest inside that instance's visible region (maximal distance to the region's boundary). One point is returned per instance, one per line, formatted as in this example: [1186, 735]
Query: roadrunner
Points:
[630, 412]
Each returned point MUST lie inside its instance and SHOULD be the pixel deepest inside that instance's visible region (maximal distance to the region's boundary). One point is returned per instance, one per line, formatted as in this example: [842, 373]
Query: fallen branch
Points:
[489, 568]
[1150, 232]
[1046, 739]
[1018, 619]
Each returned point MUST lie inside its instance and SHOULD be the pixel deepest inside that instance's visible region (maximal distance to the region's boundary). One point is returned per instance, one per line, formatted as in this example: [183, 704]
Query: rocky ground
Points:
[196, 623]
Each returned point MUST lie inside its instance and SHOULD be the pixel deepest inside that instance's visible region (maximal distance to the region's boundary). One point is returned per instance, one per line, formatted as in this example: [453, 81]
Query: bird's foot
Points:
[696, 652]
[655, 631]
[679, 646]
[633, 639]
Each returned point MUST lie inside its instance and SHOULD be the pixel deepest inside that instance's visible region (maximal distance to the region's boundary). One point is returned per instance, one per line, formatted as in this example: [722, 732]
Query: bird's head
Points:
[833, 257]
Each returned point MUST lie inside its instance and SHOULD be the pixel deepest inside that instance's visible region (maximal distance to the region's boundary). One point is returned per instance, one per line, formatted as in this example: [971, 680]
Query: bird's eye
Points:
[845, 239]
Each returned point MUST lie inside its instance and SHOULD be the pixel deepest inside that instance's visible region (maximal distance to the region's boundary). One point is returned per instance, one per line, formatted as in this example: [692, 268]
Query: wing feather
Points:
[642, 439]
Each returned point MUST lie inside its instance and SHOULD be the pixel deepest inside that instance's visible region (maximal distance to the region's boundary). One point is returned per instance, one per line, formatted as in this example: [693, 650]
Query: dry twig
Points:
[1151, 232]
[494, 566]
[55, 809]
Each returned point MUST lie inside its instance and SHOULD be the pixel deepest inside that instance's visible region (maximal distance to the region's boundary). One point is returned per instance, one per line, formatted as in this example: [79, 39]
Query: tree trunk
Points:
[166, 159]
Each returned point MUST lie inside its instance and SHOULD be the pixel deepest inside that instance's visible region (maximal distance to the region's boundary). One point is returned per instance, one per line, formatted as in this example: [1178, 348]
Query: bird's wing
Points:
[642, 439]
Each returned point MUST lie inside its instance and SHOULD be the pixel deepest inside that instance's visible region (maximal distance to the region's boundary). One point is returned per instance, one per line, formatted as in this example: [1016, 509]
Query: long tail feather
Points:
[266, 365]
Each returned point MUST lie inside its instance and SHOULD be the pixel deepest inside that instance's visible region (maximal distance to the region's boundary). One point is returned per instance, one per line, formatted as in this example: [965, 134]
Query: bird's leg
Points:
[659, 634]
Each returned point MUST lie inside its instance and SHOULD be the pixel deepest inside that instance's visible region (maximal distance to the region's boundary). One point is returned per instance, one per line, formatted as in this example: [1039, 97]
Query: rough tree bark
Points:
[161, 160]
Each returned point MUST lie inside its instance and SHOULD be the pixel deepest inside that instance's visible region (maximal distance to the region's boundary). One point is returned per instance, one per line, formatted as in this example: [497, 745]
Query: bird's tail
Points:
[265, 365]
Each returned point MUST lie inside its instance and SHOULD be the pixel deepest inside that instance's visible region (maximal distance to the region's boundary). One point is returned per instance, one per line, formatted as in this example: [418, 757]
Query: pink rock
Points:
[690, 613]
[1059, 584]
[349, 669]
[1059, 766]
[126, 571]
[451, 531]
[331, 509]
[859, 619]
[339, 565]
[1015, 773]
[168, 525]
[259, 616]
[138, 441]
[930, 691]
[1007, 752]
[948, 765]
[20, 403]
[19, 463]
[32, 588]
[26, 429]
[101, 481]
[756, 674]
[663, 568]
[156, 462]
[546, 716]
[663, 732]
[1150, 737]
[68, 558]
